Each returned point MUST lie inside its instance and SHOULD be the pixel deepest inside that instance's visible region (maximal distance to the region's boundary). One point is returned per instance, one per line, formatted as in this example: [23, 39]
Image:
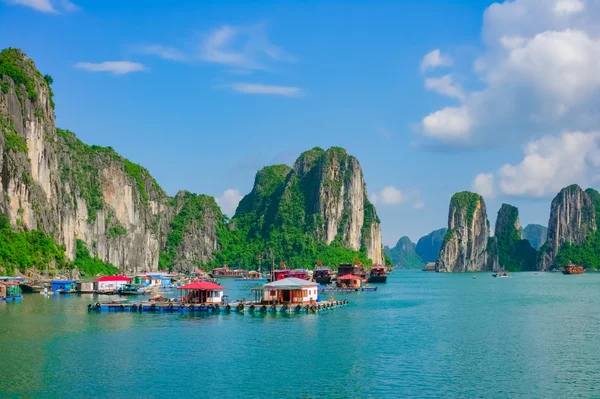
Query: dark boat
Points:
[322, 275]
[377, 275]
[226, 272]
[572, 269]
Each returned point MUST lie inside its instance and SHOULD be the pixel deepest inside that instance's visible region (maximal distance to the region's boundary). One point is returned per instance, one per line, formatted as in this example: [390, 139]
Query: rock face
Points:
[536, 234]
[52, 181]
[572, 220]
[506, 250]
[403, 255]
[323, 198]
[428, 247]
[465, 244]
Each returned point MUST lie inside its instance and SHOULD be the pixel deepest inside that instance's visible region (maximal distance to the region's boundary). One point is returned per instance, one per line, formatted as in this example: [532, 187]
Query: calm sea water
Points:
[422, 335]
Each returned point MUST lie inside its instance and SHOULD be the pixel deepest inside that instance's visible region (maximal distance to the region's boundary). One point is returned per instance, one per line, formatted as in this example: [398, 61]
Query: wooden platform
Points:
[245, 307]
[339, 289]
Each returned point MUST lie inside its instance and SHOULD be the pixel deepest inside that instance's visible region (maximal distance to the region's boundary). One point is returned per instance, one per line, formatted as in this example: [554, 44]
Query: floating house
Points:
[349, 280]
[289, 290]
[10, 291]
[202, 292]
[64, 285]
[347, 268]
[85, 287]
[110, 283]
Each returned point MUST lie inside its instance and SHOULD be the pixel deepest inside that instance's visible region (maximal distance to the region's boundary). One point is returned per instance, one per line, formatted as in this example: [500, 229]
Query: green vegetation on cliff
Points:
[512, 253]
[466, 200]
[404, 254]
[91, 265]
[28, 249]
[11, 65]
[12, 141]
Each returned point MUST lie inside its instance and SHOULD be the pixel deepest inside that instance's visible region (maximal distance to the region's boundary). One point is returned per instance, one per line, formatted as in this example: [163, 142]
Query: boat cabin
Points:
[110, 283]
[430, 267]
[288, 290]
[573, 269]
[201, 292]
[322, 275]
[10, 291]
[347, 268]
[349, 281]
[64, 285]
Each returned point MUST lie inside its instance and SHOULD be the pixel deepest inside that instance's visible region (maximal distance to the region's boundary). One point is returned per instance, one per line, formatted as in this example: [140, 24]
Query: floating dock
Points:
[240, 307]
[349, 289]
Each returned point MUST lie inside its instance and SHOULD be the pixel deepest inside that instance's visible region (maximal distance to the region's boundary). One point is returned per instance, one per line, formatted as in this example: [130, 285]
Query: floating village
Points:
[283, 290]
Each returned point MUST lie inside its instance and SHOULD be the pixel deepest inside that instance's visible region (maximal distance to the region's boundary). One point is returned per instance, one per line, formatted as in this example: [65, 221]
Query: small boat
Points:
[131, 289]
[322, 275]
[501, 275]
[226, 272]
[474, 277]
[572, 269]
[377, 275]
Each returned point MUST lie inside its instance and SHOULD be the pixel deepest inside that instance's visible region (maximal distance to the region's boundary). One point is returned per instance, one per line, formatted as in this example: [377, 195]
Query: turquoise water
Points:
[422, 335]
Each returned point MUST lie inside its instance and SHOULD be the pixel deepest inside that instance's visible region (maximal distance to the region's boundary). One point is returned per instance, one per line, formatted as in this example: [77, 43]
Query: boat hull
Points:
[378, 279]
[323, 280]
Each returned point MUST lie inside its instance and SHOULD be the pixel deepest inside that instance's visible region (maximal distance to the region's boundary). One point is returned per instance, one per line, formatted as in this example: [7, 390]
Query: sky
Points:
[433, 97]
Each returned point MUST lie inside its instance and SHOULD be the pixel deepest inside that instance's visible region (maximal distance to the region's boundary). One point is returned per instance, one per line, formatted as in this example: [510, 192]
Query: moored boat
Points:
[322, 275]
[132, 289]
[377, 275]
[501, 275]
[356, 270]
[226, 272]
[573, 269]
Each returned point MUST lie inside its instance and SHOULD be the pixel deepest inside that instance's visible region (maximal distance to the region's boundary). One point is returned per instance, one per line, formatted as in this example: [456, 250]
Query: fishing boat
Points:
[501, 275]
[377, 275]
[252, 276]
[322, 275]
[348, 268]
[277, 275]
[573, 269]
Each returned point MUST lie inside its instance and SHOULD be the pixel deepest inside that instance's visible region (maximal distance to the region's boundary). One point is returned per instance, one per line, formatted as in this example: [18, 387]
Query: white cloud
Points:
[539, 74]
[568, 6]
[114, 67]
[257, 88]
[548, 165]
[389, 195]
[167, 53]
[384, 132]
[419, 204]
[229, 200]
[47, 6]
[448, 124]
[445, 85]
[241, 48]
[435, 59]
[483, 184]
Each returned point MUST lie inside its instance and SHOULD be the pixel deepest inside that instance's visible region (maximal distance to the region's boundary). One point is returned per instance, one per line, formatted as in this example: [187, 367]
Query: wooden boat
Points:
[573, 269]
[226, 272]
[277, 275]
[357, 270]
[322, 275]
[501, 275]
[252, 276]
[377, 275]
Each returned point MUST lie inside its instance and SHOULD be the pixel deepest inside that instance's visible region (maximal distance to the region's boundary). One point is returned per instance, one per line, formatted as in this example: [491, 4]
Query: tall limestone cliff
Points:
[572, 220]
[51, 181]
[465, 244]
[506, 250]
[317, 210]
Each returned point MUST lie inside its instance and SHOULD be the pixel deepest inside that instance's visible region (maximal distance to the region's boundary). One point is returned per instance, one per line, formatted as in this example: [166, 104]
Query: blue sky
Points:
[432, 97]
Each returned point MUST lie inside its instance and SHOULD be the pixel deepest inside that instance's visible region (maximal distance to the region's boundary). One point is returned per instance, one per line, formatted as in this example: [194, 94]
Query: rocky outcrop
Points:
[52, 181]
[428, 247]
[323, 198]
[403, 255]
[572, 220]
[465, 244]
[536, 234]
[506, 250]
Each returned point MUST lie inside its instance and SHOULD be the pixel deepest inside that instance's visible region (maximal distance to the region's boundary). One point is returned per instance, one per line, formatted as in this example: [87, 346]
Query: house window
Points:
[272, 293]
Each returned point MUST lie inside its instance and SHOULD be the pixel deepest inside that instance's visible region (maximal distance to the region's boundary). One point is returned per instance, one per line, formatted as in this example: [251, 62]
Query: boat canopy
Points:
[202, 286]
[112, 278]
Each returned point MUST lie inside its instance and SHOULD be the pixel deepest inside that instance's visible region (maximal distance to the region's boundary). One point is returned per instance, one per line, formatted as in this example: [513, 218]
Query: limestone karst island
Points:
[251, 200]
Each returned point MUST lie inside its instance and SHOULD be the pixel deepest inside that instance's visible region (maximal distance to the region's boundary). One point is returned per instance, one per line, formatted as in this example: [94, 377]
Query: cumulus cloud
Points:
[548, 165]
[389, 195]
[245, 48]
[47, 6]
[435, 59]
[258, 88]
[538, 74]
[418, 204]
[445, 86]
[483, 184]
[114, 67]
[229, 200]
